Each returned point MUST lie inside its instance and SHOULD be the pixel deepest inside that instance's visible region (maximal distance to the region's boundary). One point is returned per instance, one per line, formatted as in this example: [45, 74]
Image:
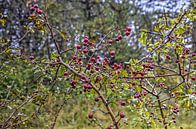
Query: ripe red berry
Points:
[176, 109]
[110, 41]
[141, 73]
[122, 103]
[89, 65]
[112, 53]
[90, 87]
[93, 59]
[122, 115]
[85, 44]
[90, 115]
[74, 57]
[168, 57]
[97, 99]
[87, 87]
[119, 37]
[35, 6]
[194, 54]
[73, 83]
[32, 8]
[133, 83]
[97, 69]
[86, 37]
[39, 11]
[183, 56]
[86, 40]
[186, 50]
[145, 93]
[161, 84]
[128, 29]
[194, 93]
[66, 73]
[193, 78]
[127, 33]
[98, 57]
[78, 46]
[98, 78]
[85, 51]
[110, 127]
[115, 66]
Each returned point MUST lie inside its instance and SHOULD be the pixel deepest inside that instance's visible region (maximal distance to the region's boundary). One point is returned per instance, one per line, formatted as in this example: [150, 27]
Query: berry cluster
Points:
[175, 109]
[35, 8]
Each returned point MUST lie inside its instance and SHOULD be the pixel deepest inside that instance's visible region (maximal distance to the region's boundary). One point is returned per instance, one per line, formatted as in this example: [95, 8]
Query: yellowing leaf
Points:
[2, 21]
[124, 73]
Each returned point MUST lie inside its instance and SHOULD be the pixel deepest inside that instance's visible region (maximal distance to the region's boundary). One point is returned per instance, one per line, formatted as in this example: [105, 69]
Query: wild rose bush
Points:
[158, 86]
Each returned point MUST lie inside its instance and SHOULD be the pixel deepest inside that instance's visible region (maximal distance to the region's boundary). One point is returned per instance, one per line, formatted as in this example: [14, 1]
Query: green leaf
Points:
[124, 73]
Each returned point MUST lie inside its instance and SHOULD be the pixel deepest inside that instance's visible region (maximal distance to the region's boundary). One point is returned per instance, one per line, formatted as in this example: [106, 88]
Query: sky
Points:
[161, 4]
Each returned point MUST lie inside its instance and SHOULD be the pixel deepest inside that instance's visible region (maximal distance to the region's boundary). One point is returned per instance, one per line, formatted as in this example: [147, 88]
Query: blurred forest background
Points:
[74, 19]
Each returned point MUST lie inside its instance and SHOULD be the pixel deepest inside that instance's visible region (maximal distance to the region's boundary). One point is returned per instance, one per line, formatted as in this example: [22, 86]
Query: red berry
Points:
[122, 115]
[86, 40]
[73, 83]
[161, 84]
[93, 59]
[168, 57]
[97, 68]
[78, 46]
[96, 99]
[87, 87]
[85, 44]
[194, 93]
[85, 50]
[120, 66]
[110, 127]
[122, 103]
[86, 37]
[186, 50]
[35, 6]
[119, 37]
[112, 53]
[90, 87]
[98, 57]
[128, 29]
[110, 41]
[74, 57]
[90, 115]
[193, 78]
[66, 73]
[183, 56]
[39, 11]
[127, 33]
[89, 65]
[98, 78]
[194, 54]
[145, 93]
[142, 73]
[115, 66]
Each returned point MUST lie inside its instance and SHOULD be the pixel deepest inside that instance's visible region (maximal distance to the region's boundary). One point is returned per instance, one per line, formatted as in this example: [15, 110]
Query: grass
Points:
[74, 116]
